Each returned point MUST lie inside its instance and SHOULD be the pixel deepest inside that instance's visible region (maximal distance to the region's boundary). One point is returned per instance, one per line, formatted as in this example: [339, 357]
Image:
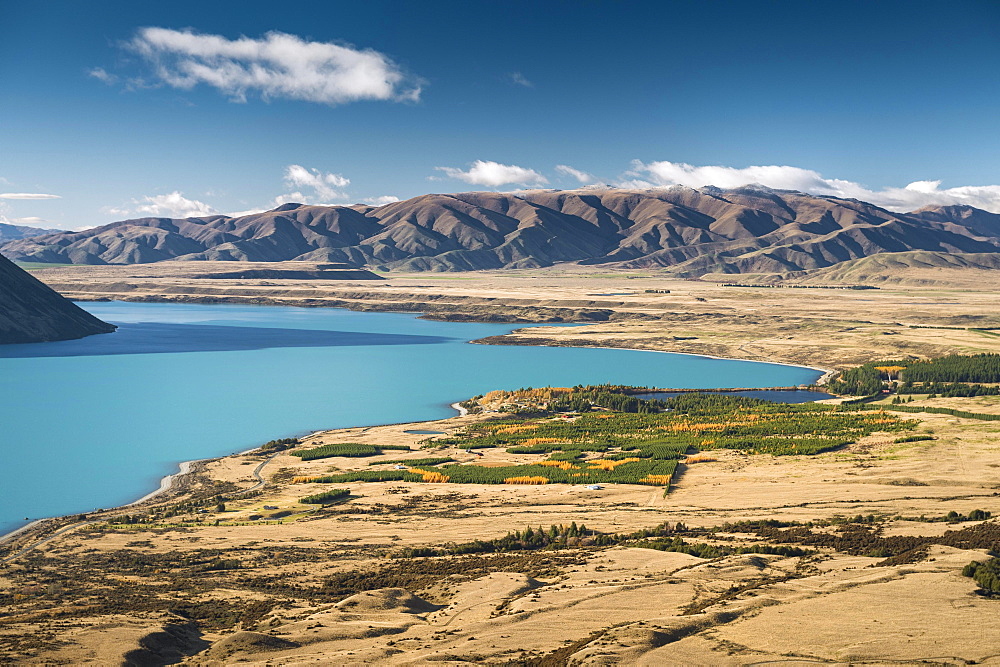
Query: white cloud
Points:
[678, 173]
[494, 174]
[581, 176]
[27, 195]
[913, 196]
[278, 65]
[382, 201]
[520, 80]
[323, 183]
[32, 220]
[290, 198]
[172, 205]
[927, 193]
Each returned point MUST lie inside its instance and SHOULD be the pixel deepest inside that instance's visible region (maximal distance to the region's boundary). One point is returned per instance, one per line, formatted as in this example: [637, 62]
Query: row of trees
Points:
[952, 390]
[327, 497]
[985, 416]
[590, 398]
[430, 461]
[349, 449]
[645, 471]
[942, 375]
[528, 539]
[955, 368]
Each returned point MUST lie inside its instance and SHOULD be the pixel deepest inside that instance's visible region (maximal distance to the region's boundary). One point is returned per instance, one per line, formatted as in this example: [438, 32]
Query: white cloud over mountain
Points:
[494, 174]
[908, 198]
[324, 184]
[172, 205]
[278, 65]
[324, 187]
[581, 176]
[382, 201]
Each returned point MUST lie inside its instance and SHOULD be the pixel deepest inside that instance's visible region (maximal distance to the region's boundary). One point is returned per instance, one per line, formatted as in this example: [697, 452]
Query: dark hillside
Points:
[31, 312]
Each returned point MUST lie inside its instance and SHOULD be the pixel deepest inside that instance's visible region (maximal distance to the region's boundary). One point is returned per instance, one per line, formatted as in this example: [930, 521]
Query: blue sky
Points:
[123, 109]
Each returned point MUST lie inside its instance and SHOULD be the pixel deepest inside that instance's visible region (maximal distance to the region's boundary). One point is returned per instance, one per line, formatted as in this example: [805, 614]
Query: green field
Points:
[33, 266]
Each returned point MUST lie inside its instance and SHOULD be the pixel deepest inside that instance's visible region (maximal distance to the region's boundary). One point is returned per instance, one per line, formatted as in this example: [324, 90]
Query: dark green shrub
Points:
[986, 574]
[327, 497]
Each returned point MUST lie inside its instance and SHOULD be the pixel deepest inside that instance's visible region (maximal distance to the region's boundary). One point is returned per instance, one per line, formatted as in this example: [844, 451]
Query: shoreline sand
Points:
[167, 482]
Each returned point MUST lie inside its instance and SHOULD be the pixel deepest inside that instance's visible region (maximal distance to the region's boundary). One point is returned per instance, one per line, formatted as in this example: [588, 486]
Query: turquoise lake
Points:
[98, 422]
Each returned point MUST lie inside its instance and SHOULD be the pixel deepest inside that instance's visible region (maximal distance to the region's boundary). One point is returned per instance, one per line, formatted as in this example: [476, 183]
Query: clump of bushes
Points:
[327, 497]
[986, 574]
[913, 438]
[278, 445]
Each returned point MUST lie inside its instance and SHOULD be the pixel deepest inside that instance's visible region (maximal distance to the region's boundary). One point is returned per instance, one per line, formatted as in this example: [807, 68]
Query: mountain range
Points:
[32, 312]
[9, 232]
[690, 232]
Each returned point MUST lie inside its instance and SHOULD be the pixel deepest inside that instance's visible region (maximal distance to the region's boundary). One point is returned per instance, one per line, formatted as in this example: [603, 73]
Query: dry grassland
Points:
[306, 584]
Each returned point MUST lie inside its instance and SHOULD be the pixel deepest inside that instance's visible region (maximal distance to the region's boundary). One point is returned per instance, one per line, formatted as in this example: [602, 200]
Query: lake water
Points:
[98, 422]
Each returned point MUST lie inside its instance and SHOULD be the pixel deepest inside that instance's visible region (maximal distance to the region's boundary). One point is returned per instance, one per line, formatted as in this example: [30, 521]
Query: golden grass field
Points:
[148, 594]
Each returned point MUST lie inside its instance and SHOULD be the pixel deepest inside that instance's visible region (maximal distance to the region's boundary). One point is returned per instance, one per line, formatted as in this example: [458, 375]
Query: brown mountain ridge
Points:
[688, 231]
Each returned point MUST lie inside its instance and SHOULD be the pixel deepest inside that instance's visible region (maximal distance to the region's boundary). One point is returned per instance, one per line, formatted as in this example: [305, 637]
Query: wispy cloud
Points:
[581, 176]
[277, 65]
[324, 184]
[27, 195]
[171, 205]
[494, 174]
[103, 75]
[783, 177]
[519, 79]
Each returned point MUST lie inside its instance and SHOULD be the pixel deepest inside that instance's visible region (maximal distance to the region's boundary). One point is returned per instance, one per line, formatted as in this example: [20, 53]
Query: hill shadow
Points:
[166, 338]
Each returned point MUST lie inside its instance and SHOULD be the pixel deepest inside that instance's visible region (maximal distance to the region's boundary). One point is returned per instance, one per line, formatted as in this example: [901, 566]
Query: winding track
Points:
[256, 473]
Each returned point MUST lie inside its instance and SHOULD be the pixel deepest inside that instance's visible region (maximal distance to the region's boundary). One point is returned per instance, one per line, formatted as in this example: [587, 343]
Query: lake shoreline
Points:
[175, 482]
[507, 339]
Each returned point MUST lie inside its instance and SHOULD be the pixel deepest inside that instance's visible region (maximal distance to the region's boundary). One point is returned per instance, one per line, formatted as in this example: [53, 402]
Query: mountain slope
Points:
[687, 231]
[31, 312]
[9, 232]
[916, 267]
